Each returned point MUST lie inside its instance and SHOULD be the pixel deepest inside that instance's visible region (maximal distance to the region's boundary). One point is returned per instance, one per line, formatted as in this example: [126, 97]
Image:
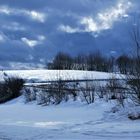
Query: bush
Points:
[10, 88]
[133, 81]
[58, 92]
[133, 116]
[134, 85]
[29, 94]
[116, 90]
[43, 98]
[52, 93]
[88, 92]
[102, 91]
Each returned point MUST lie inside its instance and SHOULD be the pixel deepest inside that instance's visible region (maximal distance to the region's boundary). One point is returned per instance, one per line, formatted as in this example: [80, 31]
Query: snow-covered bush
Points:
[133, 82]
[102, 91]
[53, 93]
[43, 98]
[133, 111]
[10, 88]
[116, 90]
[88, 92]
[29, 94]
[63, 91]
[74, 92]
[134, 116]
[58, 92]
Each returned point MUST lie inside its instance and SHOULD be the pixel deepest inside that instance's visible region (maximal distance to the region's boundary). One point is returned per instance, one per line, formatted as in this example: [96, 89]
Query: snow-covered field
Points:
[67, 121]
[50, 75]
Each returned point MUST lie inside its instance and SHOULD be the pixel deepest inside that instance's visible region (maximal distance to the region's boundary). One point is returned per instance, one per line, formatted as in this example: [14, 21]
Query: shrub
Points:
[54, 93]
[133, 116]
[116, 90]
[29, 94]
[58, 92]
[74, 91]
[43, 98]
[88, 92]
[102, 91]
[10, 88]
[133, 81]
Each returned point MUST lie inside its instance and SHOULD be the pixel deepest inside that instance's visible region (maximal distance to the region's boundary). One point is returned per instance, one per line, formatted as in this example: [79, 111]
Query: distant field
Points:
[50, 75]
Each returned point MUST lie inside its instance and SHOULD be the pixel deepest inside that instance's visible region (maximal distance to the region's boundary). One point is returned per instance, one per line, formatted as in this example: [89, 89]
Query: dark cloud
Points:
[34, 31]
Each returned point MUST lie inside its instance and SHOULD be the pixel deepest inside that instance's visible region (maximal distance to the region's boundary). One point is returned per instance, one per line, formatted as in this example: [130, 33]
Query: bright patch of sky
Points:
[34, 15]
[32, 43]
[14, 26]
[1, 38]
[104, 20]
[41, 28]
[68, 29]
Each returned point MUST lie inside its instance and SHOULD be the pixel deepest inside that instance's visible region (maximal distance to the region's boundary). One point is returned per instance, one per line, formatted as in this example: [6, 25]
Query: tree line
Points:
[93, 62]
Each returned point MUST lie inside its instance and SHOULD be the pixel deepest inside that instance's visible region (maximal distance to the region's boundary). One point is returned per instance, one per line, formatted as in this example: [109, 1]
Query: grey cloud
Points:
[41, 24]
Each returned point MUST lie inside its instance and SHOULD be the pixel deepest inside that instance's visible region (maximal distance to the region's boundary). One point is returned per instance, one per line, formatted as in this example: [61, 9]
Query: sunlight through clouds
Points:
[1, 38]
[13, 26]
[29, 42]
[103, 20]
[5, 10]
[44, 27]
[37, 16]
[106, 19]
[68, 29]
[32, 43]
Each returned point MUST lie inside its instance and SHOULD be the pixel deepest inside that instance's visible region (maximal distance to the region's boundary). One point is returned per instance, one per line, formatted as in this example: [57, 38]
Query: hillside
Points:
[66, 121]
[50, 75]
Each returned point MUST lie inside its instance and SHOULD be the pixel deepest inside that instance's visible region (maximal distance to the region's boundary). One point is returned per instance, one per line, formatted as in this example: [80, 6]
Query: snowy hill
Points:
[67, 121]
[50, 75]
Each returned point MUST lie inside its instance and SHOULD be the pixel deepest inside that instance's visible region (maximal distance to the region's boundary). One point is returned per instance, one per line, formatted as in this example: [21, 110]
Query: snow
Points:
[67, 121]
[50, 75]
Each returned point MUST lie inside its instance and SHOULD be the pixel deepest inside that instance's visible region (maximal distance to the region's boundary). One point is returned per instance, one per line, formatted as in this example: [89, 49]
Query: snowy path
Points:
[68, 121]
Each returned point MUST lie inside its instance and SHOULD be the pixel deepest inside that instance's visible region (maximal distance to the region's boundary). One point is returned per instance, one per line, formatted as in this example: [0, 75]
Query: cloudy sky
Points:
[33, 31]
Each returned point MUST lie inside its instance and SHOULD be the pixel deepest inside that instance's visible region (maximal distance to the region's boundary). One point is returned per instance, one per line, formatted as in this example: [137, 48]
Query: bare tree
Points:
[88, 92]
[135, 35]
[124, 64]
[61, 61]
[133, 79]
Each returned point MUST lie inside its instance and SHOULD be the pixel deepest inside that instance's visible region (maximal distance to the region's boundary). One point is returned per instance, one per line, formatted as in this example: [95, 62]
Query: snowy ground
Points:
[49, 75]
[67, 121]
